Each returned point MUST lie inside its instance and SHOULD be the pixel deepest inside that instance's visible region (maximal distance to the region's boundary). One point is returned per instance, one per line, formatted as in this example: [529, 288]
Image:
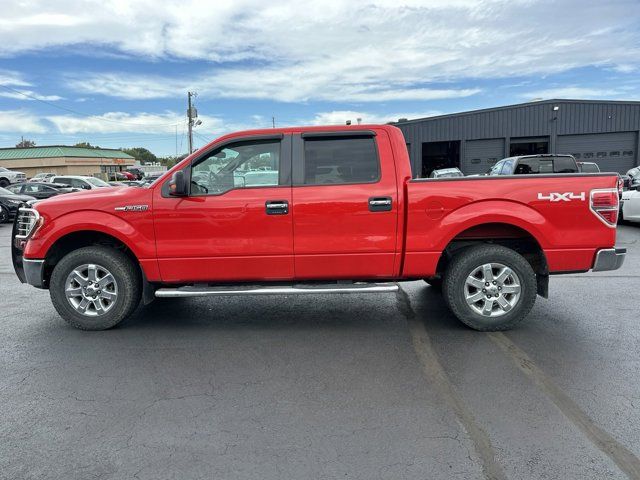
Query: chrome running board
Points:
[205, 291]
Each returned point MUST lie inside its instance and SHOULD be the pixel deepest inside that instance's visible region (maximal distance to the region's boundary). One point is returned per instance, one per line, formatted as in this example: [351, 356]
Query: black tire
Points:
[127, 278]
[4, 215]
[4, 182]
[468, 261]
[434, 282]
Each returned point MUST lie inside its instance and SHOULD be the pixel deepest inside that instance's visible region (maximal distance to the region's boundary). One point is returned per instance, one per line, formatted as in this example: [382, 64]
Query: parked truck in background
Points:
[536, 164]
[333, 210]
[8, 177]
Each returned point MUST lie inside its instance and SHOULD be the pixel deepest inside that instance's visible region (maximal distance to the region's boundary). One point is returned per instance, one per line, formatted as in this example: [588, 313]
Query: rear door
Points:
[345, 205]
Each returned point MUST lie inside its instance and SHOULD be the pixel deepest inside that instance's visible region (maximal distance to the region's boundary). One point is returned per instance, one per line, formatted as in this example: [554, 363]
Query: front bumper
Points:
[28, 270]
[609, 259]
[33, 272]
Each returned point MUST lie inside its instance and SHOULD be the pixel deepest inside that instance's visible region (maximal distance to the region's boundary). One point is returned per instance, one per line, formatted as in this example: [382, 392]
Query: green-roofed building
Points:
[63, 160]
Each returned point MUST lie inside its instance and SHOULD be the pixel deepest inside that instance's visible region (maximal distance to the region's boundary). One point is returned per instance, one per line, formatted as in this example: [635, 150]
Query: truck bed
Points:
[552, 209]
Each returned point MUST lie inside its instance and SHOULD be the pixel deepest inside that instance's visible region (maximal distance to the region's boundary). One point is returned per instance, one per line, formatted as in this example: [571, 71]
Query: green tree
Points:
[171, 160]
[141, 154]
[85, 145]
[24, 143]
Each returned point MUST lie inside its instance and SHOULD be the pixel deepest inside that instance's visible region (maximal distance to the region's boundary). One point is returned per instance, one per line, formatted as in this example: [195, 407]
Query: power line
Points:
[102, 119]
[202, 137]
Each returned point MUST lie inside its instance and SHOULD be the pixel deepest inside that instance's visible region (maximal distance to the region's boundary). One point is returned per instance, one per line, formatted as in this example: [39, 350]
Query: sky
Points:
[116, 73]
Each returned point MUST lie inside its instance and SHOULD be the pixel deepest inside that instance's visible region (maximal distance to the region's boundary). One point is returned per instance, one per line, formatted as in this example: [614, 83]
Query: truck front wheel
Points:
[489, 287]
[95, 288]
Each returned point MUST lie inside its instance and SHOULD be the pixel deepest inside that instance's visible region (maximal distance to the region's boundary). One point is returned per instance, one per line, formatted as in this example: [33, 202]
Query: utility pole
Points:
[273, 122]
[190, 117]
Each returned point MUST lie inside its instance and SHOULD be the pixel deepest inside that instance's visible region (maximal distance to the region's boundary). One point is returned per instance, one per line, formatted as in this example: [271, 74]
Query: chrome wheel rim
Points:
[91, 290]
[492, 290]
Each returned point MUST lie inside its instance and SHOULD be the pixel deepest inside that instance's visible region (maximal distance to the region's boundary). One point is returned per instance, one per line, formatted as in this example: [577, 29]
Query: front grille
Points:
[26, 222]
[21, 177]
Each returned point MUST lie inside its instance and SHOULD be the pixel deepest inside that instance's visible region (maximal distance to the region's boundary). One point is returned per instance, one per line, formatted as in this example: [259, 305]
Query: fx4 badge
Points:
[132, 208]
[562, 197]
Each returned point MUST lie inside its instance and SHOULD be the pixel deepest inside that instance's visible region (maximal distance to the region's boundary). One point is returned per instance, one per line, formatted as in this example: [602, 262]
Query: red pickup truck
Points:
[316, 210]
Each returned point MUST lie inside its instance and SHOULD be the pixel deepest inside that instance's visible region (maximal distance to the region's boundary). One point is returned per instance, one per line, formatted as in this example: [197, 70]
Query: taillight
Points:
[604, 205]
[620, 187]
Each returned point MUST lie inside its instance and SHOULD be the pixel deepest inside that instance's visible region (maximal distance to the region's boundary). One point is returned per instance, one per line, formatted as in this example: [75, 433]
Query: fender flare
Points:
[98, 221]
[494, 211]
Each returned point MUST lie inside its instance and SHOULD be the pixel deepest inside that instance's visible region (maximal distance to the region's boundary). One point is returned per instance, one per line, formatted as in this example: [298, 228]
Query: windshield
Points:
[4, 191]
[97, 182]
[2, 169]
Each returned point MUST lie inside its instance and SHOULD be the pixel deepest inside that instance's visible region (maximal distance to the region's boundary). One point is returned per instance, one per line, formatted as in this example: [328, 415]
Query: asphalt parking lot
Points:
[354, 387]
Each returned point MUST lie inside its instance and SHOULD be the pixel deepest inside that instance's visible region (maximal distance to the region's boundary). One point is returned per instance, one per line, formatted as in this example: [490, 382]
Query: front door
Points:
[235, 225]
[345, 205]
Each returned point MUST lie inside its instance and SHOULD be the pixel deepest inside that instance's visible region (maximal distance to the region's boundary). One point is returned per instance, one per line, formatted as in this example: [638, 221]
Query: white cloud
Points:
[20, 121]
[333, 50]
[10, 77]
[247, 83]
[339, 117]
[29, 95]
[571, 92]
[115, 122]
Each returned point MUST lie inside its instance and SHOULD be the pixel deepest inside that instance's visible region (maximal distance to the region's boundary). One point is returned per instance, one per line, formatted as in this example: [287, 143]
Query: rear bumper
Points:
[609, 259]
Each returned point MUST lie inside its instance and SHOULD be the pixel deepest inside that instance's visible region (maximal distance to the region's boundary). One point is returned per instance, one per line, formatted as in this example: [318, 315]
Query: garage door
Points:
[480, 155]
[613, 152]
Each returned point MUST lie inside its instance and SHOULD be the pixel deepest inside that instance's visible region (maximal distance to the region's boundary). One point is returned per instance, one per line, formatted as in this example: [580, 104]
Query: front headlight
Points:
[15, 202]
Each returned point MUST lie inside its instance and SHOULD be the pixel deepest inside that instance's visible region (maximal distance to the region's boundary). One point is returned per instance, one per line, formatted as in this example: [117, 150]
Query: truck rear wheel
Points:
[489, 287]
[95, 288]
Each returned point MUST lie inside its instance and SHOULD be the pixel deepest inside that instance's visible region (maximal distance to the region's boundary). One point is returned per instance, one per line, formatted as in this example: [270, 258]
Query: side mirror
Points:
[86, 187]
[178, 184]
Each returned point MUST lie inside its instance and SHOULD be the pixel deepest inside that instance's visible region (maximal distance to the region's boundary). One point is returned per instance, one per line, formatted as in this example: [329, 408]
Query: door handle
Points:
[277, 207]
[380, 204]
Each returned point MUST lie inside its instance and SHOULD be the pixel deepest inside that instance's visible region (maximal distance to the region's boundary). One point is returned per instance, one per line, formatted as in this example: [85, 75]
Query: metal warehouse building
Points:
[604, 132]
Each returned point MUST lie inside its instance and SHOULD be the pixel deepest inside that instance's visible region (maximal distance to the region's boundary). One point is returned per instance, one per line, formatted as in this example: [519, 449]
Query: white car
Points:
[78, 181]
[7, 177]
[631, 205]
[42, 177]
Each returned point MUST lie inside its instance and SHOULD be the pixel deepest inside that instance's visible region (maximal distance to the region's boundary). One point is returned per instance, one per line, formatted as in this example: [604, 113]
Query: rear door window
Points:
[340, 160]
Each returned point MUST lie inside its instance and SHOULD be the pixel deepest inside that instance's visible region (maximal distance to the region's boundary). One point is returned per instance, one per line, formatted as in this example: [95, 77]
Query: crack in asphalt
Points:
[621, 456]
[433, 369]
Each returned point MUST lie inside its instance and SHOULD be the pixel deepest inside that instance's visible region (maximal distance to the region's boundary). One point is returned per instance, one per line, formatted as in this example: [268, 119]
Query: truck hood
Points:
[105, 199]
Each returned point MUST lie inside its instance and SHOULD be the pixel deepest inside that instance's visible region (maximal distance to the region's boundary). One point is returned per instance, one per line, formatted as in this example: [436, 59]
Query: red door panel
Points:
[335, 233]
[225, 237]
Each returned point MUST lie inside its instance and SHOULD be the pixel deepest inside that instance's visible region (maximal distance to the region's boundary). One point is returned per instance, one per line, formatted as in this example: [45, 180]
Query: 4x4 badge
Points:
[562, 197]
